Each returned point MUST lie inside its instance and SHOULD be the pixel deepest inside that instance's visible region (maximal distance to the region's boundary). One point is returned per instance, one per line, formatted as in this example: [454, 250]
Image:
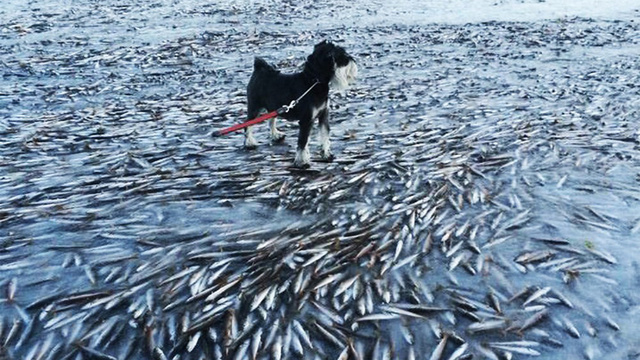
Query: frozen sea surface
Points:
[166, 19]
[485, 198]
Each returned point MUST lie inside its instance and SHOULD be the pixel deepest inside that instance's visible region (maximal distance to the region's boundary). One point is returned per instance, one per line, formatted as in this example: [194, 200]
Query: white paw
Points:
[277, 136]
[327, 155]
[250, 142]
[302, 159]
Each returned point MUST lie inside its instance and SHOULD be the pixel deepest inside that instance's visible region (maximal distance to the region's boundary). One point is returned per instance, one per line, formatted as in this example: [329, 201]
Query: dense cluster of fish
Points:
[484, 191]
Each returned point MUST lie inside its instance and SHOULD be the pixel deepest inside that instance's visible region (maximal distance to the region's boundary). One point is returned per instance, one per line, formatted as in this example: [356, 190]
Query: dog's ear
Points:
[321, 43]
[325, 49]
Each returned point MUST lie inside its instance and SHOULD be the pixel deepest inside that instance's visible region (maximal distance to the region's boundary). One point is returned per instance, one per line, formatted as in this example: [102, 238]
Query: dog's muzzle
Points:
[345, 75]
[352, 72]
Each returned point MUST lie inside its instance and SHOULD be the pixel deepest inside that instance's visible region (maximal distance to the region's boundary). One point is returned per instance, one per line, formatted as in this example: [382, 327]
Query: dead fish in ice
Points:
[570, 328]
[378, 317]
[494, 302]
[518, 347]
[612, 324]
[439, 349]
[603, 255]
[459, 352]
[533, 320]
[536, 295]
[536, 256]
[488, 325]
[11, 289]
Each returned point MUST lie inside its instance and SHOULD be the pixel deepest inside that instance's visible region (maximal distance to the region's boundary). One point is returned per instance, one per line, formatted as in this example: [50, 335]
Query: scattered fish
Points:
[128, 233]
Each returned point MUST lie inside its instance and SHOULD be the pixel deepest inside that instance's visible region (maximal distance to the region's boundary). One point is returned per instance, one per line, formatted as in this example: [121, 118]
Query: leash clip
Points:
[286, 108]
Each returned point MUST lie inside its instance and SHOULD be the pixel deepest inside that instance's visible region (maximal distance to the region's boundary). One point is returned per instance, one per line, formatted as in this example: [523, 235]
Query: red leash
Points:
[243, 125]
[283, 110]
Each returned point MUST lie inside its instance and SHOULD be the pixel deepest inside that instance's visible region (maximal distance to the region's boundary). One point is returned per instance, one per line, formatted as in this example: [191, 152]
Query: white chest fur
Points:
[317, 110]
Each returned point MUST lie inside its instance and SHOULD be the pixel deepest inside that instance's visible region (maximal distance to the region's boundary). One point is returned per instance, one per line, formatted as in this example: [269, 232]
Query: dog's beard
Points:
[343, 76]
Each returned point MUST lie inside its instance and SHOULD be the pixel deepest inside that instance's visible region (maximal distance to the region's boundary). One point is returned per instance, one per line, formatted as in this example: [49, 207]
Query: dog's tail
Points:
[259, 64]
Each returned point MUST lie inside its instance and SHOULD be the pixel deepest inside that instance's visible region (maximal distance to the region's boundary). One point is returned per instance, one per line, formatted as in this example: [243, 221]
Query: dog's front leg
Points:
[303, 158]
[276, 136]
[249, 141]
[323, 136]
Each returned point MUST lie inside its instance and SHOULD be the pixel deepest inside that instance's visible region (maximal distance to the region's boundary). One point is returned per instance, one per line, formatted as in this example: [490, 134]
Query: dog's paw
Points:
[327, 157]
[301, 165]
[278, 137]
[302, 159]
[250, 144]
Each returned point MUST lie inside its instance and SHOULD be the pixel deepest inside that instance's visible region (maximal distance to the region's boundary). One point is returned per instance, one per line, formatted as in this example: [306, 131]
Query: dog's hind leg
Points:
[249, 141]
[276, 136]
[303, 158]
[323, 135]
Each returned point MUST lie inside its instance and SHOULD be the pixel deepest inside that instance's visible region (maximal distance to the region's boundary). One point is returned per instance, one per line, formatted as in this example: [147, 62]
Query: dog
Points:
[328, 66]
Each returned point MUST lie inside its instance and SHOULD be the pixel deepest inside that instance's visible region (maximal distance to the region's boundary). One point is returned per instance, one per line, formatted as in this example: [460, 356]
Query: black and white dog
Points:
[268, 89]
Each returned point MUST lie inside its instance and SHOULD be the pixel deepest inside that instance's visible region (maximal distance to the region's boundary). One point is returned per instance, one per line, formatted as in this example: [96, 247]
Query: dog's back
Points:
[262, 72]
[261, 66]
[259, 87]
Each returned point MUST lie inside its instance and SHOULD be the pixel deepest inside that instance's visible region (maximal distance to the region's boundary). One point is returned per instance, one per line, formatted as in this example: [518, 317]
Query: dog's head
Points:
[331, 63]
